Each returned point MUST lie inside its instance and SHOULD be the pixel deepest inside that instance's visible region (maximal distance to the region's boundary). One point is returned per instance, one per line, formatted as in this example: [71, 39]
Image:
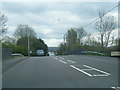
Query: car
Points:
[51, 53]
[40, 52]
[17, 54]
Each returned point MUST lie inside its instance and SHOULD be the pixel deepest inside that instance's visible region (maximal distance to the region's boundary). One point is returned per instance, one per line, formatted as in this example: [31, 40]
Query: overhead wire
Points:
[101, 16]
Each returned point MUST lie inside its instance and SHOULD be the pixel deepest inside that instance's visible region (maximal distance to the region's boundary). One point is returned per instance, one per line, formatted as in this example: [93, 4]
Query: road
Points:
[72, 71]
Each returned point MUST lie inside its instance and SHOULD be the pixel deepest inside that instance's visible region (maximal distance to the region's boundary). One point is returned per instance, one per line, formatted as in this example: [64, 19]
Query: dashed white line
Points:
[81, 70]
[62, 61]
[71, 61]
[62, 58]
[113, 87]
[56, 58]
[97, 70]
[116, 88]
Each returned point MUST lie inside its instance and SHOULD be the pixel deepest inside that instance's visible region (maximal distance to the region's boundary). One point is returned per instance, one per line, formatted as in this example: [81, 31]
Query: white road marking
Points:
[62, 58]
[81, 70]
[113, 87]
[71, 61]
[56, 58]
[102, 75]
[87, 69]
[116, 88]
[97, 70]
[62, 61]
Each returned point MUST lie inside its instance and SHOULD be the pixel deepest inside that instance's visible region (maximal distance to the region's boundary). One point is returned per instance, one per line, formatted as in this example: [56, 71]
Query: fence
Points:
[6, 54]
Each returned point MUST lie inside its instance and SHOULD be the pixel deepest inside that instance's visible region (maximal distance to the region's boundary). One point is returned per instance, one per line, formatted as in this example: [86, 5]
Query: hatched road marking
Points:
[91, 69]
[81, 70]
[97, 70]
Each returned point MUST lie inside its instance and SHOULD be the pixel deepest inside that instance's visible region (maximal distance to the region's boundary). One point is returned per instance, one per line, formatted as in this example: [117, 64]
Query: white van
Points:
[40, 52]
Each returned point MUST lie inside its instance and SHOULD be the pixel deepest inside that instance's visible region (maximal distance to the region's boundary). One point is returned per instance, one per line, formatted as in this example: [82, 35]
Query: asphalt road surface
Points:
[72, 71]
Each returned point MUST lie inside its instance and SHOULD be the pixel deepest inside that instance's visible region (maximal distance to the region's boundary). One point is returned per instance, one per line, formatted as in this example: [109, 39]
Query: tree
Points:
[117, 44]
[35, 44]
[80, 34]
[3, 28]
[3, 20]
[24, 31]
[70, 42]
[63, 49]
[105, 25]
[71, 37]
[43, 46]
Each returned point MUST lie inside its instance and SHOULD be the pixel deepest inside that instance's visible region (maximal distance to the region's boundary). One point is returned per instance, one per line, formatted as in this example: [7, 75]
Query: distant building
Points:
[53, 48]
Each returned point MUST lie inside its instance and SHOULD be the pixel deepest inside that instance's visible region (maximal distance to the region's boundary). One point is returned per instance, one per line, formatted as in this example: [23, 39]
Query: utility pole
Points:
[64, 38]
[28, 45]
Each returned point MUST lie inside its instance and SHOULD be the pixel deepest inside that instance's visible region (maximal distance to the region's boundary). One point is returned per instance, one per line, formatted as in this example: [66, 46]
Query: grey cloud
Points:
[70, 14]
[21, 8]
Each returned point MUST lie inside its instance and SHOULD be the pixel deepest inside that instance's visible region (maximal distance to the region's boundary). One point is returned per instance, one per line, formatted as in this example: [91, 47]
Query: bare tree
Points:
[3, 20]
[90, 40]
[105, 25]
[24, 31]
[80, 34]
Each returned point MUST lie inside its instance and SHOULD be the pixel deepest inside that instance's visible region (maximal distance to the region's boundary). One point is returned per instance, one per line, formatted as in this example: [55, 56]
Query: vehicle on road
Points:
[51, 53]
[40, 52]
[17, 55]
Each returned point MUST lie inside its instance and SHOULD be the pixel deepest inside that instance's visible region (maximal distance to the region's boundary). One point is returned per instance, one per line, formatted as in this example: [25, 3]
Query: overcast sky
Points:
[51, 20]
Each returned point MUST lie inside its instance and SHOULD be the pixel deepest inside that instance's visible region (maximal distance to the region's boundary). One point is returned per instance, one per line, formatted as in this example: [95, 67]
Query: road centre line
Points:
[71, 61]
[97, 70]
[81, 70]
[113, 87]
[62, 61]
[61, 58]
[56, 58]
[116, 88]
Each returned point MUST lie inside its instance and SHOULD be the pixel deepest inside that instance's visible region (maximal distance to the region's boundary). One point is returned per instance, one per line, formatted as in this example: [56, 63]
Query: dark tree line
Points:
[22, 33]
